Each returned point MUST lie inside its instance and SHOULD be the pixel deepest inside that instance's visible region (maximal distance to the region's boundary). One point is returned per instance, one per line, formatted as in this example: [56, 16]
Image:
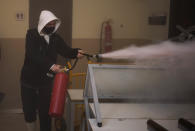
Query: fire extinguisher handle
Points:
[65, 69]
[74, 64]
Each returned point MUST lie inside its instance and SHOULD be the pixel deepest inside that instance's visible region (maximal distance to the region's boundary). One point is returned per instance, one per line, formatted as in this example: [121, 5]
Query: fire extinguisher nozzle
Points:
[98, 57]
[86, 54]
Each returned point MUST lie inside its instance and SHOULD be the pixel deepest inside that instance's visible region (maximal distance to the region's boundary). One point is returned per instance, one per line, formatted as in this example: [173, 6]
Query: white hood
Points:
[46, 17]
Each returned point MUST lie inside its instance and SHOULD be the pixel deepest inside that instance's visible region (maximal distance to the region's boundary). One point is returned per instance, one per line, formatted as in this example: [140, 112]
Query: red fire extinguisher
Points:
[108, 37]
[58, 95]
[59, 92]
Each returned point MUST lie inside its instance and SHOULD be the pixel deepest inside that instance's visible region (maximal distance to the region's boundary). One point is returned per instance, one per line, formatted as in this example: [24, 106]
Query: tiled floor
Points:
[11, 115]
[14, 122]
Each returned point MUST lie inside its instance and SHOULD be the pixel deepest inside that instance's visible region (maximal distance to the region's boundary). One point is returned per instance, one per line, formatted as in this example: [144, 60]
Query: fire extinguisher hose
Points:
[74, 64]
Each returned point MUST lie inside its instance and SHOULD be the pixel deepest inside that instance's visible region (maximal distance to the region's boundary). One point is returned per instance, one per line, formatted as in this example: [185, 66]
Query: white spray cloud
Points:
[178, 60]
[165, 53]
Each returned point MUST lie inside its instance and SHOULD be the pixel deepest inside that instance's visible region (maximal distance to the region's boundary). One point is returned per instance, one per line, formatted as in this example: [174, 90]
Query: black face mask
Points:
[48, 30]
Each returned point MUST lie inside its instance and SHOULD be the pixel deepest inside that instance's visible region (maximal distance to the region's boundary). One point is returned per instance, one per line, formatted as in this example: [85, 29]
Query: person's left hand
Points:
[57, 68]
[80, 54]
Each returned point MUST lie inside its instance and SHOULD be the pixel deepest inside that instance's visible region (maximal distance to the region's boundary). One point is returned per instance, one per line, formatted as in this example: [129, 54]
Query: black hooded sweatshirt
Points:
[40, 56]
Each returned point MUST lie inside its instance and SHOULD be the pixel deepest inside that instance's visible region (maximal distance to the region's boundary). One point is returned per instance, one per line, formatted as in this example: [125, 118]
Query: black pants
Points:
[37, 99]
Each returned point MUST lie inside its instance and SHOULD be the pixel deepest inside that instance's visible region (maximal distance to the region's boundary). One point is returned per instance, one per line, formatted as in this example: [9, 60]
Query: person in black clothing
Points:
[43, 45]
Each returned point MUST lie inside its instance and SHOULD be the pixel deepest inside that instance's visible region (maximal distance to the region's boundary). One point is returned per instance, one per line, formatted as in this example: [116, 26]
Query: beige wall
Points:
[12, 56]
[9, 27]
[132, 14]
[12, 39]
[129, 20]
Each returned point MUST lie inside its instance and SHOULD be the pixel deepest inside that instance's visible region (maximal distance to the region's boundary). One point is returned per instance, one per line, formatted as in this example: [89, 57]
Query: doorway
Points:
[181, 13]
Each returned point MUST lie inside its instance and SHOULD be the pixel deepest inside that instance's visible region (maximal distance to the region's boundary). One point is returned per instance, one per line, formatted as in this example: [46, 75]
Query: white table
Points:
[75, 96]
[133, 117]
[132, 124]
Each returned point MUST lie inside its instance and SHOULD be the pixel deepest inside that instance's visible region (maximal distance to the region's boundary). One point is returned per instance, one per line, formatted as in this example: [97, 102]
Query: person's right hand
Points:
[56, 68]
[80, 54]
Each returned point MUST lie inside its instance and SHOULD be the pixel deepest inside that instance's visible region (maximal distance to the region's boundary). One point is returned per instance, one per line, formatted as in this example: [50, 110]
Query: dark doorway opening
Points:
[182, 12]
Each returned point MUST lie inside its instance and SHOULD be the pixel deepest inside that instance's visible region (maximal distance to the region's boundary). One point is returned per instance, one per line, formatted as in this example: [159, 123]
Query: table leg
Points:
[72, 111]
